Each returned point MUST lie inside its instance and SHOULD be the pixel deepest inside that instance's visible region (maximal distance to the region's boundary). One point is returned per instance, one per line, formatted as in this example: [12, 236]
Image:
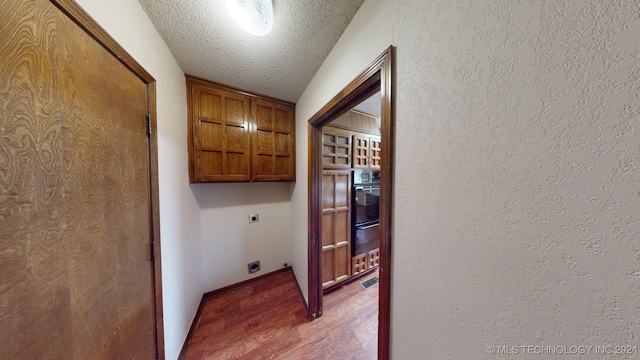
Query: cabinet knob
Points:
[246, 169]
[255, 169]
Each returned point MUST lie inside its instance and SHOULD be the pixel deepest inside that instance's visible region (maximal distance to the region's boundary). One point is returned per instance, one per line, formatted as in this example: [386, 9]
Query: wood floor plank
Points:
[266, 320]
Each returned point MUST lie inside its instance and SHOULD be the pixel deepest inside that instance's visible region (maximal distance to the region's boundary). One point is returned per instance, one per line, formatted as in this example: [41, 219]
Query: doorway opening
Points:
[376, 78]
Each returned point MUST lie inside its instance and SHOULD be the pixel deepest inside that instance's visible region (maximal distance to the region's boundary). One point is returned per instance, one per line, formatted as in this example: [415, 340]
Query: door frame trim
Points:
[378, 76]
[100, 35]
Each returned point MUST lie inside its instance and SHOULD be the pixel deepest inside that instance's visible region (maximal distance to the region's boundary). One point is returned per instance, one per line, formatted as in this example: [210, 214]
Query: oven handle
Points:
[368, 226]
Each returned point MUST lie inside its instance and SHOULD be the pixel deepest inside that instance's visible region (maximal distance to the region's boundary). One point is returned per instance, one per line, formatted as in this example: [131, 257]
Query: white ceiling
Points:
[207, 43]
[372, 105]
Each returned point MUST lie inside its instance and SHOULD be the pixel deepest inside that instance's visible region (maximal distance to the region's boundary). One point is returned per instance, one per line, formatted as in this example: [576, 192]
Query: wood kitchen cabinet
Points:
[366, 152]
[272, 141]
[336, 227]
[238, 136]
[336, 148]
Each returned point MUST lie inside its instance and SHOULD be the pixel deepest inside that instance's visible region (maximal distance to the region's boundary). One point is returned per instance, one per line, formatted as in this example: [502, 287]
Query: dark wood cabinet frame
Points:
[377, 77]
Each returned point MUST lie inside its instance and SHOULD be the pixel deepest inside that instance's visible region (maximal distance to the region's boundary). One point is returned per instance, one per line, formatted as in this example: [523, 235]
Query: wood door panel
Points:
[210, 135]
[336, 227]
[221, 132]
[272, 137]
[235, 110]
[236, 138]
[211, 163]
[336, 148]
[343, 263]
[328, 191]
[283, 165]
[328, 267]
[342, 200]
[342, 226]
[210, 106]
[264, 141]
[374, 153]
[360, 152]
[328, 234]
[75, 269]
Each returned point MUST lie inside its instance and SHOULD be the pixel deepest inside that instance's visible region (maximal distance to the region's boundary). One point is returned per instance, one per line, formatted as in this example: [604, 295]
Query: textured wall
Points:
[179, 213]
[518, 140]
[519, 125]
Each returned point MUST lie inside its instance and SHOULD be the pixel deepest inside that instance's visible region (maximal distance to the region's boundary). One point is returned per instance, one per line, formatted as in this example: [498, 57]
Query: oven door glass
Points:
[366, 204]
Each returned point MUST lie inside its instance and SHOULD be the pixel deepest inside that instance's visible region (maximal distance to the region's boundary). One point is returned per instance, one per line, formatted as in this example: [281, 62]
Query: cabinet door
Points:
[366, 152]
[272, 141]
[336, 148]
[360, 152]
[219, 135]
[336, 227]
[374, 153]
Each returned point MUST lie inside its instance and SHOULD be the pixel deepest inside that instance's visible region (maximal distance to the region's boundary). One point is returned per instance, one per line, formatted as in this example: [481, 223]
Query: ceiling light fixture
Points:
[255, 16]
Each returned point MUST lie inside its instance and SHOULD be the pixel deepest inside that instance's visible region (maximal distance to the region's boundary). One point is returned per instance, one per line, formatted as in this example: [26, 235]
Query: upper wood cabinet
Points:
[238, 136]
[272, 141]
[366, 152]
[336, 148]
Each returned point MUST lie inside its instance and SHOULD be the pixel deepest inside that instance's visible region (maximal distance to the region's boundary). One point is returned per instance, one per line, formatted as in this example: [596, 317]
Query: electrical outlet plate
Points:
[254, 218]
[253, 267]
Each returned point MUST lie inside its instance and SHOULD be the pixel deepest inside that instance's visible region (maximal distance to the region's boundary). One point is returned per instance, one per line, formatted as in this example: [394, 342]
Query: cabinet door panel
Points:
[336, 148]
[236, 111]
[220, 130]
[272, 137]
[374, 150]
[366, 152]
[264, 163]
[210, 106]
[283, 120]
[283, 165]
[211, 163]
[283, 143]
[263, 141]
[360, 152]
[236, 164]
[328, 267]
[336, 227]
[210, 135]
[263, 116]
[236, 138]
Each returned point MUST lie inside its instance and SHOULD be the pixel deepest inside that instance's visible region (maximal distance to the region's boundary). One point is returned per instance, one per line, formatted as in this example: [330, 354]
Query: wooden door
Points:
[76, 273]
[219, 135]
[366, 152]
[272, 141]
[360, 151]
[336, 227]
[336, 148]
[374, 153]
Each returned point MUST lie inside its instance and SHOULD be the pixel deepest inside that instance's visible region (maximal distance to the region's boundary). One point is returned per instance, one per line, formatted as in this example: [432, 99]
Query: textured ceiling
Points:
[207, 43]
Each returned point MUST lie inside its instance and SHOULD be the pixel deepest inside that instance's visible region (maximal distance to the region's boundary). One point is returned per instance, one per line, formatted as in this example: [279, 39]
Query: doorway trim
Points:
[79, 16]
[378, 76]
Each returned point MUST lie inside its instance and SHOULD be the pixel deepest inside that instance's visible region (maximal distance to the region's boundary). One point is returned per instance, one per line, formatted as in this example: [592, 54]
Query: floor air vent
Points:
[369, 282]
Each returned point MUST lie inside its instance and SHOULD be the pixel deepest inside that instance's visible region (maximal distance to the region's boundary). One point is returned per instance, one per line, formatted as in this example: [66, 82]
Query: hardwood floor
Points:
[266, 320]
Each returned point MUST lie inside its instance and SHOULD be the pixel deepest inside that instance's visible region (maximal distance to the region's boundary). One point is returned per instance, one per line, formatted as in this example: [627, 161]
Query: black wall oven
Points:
[365, 214]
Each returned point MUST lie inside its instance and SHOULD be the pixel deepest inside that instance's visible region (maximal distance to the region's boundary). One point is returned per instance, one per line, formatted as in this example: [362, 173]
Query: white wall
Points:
[229, 242]
[127, 23]
[517, 141]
